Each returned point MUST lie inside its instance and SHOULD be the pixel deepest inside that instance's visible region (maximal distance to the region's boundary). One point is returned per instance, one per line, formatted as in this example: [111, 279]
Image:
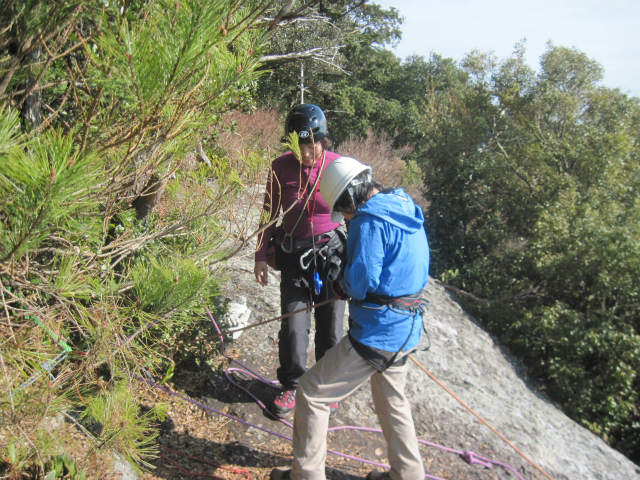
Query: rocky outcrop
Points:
[475, 368]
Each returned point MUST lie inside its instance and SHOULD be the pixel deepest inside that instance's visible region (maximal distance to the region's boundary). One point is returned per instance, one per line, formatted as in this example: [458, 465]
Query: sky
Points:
[606, 31]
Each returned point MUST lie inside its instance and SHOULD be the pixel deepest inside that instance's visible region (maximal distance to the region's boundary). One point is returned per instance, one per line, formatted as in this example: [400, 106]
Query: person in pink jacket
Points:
[307, 233]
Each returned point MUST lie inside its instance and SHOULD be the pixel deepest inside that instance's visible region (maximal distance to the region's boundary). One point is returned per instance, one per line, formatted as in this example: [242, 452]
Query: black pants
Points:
[294, 330]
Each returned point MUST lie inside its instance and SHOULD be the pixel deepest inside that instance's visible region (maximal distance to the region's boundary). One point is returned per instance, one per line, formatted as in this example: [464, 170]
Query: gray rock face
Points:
[467, 361]
[470, 363]
[122, 469]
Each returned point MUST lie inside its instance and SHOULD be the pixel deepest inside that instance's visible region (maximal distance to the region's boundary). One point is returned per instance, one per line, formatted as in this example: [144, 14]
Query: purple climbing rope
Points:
[468, 456]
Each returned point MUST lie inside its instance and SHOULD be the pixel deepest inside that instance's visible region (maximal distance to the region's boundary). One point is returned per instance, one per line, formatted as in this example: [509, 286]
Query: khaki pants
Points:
[336, 376]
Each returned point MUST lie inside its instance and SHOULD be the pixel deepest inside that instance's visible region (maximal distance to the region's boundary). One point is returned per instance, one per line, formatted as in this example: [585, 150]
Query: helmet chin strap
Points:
[353, 200]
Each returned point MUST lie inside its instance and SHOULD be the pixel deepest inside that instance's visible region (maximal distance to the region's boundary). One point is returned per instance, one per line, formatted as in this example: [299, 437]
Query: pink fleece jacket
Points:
[288, 184]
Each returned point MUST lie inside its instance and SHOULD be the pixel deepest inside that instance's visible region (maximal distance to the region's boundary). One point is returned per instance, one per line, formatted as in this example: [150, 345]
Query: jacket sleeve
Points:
[365, 258]
[270, 209]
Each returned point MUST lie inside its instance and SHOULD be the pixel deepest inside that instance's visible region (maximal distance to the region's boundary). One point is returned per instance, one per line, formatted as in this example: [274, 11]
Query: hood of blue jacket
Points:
[395, 207]
[387, 254]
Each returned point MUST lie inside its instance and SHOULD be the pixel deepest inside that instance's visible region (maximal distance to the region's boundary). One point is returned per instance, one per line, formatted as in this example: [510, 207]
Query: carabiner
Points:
[287, 243]
[322, 252]
[303, 259]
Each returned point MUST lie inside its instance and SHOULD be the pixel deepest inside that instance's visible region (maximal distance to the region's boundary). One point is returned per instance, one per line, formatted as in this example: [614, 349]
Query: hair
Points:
[356, 193]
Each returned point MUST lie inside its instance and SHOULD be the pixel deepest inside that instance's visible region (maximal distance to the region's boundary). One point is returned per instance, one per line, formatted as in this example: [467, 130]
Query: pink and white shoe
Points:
[284, 403]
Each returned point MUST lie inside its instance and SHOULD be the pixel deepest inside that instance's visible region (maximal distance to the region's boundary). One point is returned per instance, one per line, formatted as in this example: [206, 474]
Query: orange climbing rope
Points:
[482, 420]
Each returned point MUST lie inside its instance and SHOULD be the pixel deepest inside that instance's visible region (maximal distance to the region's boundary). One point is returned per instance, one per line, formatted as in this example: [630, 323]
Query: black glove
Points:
[333, 261]
[333, 268]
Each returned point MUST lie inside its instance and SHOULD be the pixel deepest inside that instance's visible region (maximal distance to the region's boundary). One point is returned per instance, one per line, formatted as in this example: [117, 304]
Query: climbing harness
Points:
[410, 305]
[405, 303]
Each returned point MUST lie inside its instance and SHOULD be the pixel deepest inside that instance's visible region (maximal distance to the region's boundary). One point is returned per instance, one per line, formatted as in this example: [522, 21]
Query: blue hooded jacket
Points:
[387, 254]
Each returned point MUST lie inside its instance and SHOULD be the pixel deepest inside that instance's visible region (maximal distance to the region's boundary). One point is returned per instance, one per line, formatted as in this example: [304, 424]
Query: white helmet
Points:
[336, 177]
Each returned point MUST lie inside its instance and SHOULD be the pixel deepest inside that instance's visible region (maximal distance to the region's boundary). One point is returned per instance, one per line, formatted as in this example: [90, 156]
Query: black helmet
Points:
[308, 121]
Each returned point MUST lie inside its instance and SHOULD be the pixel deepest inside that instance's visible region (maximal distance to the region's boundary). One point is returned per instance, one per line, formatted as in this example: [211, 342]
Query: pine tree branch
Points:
[37, 220]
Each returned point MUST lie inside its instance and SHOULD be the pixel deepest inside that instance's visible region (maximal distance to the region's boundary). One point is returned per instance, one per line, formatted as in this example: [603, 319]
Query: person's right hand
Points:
[260, 270]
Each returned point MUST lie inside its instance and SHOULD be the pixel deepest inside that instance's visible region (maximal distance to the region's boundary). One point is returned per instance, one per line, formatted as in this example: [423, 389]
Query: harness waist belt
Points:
[302, 243]
[411, 303]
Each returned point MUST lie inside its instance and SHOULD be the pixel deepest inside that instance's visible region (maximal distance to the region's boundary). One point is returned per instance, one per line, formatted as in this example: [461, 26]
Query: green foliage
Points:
[166, 284]
[100, 102]
[292, 142]
[63, 466]
[533, 182]
[180, 288]
[47, 189]
[412, 175]
[122, 425]
[338, 28]
[177, 52]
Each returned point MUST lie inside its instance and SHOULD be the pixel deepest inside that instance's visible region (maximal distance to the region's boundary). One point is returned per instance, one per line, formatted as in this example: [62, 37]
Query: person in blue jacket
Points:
[387, 266]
